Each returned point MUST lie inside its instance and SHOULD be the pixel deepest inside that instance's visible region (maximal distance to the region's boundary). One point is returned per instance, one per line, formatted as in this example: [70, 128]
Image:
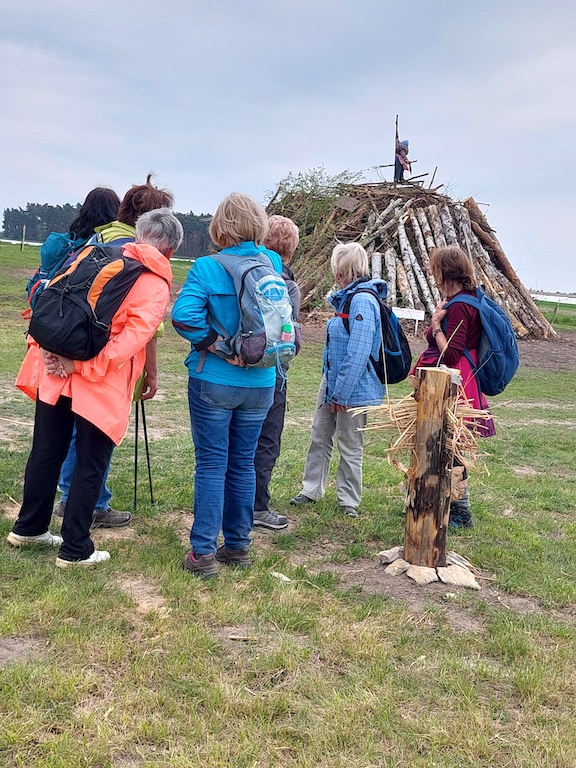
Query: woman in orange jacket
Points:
[93, 395]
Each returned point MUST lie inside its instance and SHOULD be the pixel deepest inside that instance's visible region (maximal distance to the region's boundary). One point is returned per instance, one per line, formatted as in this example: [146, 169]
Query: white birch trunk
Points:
[424, 256]
[390, 260]
[403, 286]
[376, 265]
[426, 229]
[432, 213]
[409, 258]
[448, 226]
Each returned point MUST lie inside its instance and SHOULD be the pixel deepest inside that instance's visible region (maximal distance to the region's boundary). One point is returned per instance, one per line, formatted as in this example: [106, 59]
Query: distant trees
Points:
[40, 220]
[196, 241]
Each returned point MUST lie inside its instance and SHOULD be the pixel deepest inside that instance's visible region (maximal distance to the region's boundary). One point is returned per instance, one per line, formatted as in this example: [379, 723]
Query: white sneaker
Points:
[98, 556]
[44, 539]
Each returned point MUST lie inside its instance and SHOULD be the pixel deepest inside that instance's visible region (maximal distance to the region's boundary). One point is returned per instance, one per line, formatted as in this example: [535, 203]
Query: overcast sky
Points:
[218, 96]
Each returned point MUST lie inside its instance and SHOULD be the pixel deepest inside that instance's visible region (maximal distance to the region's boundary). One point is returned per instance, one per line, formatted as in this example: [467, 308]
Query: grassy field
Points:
[139, 665]
[562, 316]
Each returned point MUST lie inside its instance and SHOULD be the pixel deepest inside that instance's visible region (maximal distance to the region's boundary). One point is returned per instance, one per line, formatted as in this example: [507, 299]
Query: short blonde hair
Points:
[238, 218]
[350, 261]
[283, 237]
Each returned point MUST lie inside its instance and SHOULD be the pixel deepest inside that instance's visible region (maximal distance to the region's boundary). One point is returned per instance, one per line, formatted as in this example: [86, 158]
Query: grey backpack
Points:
[266, 334]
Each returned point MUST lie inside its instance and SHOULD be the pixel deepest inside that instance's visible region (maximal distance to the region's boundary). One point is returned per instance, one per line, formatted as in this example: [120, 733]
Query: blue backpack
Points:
[498, 356]
[53, 253]
[267, 335]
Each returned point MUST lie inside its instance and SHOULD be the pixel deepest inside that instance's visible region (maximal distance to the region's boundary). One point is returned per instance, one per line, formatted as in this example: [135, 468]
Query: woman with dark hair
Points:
[100, 207]
[119, 230]
[452, 331]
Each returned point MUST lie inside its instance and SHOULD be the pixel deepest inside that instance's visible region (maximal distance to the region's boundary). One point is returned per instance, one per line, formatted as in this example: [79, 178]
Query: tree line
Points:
[40, 220]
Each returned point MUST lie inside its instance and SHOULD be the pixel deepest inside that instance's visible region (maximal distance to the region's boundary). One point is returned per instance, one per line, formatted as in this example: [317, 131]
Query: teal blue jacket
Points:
[206, 304]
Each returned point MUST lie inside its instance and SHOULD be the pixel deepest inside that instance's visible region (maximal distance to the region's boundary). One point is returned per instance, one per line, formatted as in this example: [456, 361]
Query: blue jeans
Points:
[226, 424]
[67, 473]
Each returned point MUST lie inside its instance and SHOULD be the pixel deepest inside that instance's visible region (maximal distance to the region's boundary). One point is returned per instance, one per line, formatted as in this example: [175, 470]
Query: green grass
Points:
[561, 316]
[134, 665]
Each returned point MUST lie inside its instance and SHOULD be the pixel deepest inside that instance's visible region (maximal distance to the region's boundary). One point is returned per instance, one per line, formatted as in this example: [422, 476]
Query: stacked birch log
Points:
[399, 225]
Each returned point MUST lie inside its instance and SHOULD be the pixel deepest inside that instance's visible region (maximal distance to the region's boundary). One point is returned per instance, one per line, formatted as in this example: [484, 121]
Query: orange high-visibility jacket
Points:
[101, 389]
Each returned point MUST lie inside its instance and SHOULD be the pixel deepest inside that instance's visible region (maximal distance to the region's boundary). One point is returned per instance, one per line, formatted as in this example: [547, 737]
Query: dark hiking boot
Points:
[106, 518]
[110, 518]
[203, 566]
[302, 499]
[460, 515]
[238, 557]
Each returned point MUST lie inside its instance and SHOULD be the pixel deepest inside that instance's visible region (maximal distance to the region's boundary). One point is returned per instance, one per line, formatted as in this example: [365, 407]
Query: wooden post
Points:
[429, 481]
[23, 237]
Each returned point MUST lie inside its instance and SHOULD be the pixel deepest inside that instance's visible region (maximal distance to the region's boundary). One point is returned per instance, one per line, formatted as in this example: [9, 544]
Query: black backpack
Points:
[397, 356]
[73, 315]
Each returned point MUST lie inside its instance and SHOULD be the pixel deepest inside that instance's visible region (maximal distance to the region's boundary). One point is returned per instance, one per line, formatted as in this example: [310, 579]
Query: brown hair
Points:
[142, 198]
[283, 237]
[451, 264]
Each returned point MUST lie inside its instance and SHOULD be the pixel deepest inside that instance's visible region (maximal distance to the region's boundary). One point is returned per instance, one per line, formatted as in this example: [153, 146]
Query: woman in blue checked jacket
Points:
[348, 381]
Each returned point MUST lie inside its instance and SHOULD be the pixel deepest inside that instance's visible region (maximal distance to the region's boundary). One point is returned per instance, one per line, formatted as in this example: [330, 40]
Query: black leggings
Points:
[53, 426]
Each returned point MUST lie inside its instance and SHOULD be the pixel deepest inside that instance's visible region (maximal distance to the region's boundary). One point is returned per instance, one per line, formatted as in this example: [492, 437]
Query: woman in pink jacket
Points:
[93, 395]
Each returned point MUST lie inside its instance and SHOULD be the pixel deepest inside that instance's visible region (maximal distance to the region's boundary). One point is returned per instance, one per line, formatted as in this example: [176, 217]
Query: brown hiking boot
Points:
[106, 518]
[237, 557]
[203, 566]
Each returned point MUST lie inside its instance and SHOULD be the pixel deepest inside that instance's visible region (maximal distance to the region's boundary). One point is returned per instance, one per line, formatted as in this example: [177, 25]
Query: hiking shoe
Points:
[267, 518]
[460, 520]
[203, 566]
[110, 518]
[460, 515]
[98, 556]
[238, 557]
[43, 539]
[302, 499]
[349, 511]
[59, 509]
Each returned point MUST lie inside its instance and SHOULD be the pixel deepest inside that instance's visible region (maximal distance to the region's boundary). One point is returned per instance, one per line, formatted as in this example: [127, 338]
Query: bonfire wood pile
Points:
[399, 225]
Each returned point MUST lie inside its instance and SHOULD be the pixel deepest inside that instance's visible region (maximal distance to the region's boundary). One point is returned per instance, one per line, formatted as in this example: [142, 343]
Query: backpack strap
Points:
[472, 301]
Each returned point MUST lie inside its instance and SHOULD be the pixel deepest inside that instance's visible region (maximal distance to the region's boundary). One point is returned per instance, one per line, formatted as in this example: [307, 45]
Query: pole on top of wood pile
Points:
[429, 475]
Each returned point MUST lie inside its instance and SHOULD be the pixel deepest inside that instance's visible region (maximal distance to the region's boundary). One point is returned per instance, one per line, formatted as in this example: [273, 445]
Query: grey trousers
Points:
[350, 442]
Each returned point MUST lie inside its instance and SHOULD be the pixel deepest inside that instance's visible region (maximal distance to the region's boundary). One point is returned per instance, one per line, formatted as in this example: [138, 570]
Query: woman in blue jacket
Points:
[348, 381]
[228, 401]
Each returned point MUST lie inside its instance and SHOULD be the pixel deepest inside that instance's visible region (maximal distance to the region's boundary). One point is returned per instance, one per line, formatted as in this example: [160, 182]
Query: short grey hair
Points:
[161, 229]
[350, 261]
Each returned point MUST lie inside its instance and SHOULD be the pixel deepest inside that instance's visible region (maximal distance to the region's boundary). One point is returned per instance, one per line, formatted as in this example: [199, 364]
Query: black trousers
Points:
[53, 426]
[268, 448]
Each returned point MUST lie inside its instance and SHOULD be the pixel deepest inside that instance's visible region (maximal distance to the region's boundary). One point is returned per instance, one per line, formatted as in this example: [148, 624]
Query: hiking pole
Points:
[135, 501]
[147, 446]
[147, 450]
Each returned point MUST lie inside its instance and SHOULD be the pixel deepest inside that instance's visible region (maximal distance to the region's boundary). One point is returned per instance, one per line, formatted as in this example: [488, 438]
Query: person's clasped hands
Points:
[56, 365]
[236, 360]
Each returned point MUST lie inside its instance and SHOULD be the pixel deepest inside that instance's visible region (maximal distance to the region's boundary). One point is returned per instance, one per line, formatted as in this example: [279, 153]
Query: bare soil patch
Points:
[16, 650]
[145, 595]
